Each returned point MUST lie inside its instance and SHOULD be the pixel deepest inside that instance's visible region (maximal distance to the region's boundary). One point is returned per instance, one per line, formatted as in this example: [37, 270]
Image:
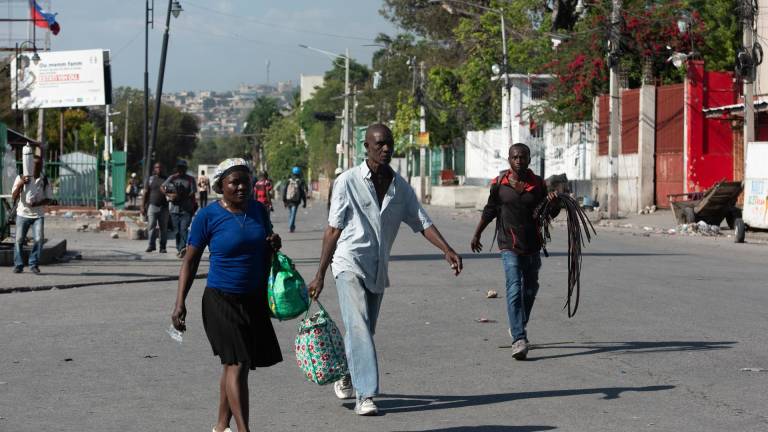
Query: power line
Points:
[269, 24]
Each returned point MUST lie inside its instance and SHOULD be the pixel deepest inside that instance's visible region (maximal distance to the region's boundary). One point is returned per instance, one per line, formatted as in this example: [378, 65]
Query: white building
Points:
[308, 85]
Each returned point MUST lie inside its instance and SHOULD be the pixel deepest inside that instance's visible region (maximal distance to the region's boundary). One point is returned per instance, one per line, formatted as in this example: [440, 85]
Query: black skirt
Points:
[240, 329]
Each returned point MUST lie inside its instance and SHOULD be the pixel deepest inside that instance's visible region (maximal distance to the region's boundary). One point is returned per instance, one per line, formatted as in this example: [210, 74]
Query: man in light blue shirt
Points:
[368, 204]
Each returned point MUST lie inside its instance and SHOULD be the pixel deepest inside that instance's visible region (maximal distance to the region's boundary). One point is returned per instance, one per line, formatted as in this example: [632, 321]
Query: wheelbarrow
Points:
[711, 206]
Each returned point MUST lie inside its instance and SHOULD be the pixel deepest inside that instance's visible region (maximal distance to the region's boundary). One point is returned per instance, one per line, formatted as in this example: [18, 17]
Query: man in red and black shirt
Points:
[513, 198]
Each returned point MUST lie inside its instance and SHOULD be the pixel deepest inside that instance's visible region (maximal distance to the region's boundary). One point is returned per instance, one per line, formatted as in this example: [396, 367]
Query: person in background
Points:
[32, 193]
[133, 190]
[180, 189]
[203, 187]
[262, 190]
[294, 193]
[238, 234]
[154, 207]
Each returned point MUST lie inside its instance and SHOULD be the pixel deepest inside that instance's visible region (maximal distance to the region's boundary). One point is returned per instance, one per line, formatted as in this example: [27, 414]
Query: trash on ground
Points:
[753, 369]
[484, 320]
[491, 294]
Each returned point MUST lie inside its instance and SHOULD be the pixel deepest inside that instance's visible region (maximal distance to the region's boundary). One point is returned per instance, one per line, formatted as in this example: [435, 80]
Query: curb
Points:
[85, 284]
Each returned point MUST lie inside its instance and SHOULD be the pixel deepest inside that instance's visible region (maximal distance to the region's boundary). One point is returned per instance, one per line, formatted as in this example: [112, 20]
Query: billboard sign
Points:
[60, 79]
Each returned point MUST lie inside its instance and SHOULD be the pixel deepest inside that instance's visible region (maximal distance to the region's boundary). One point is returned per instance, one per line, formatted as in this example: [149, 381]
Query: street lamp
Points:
[346, 148]
[174, 8]
[504, 71]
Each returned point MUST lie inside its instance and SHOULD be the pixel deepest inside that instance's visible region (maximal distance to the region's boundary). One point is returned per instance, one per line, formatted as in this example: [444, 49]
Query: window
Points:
[538, 90]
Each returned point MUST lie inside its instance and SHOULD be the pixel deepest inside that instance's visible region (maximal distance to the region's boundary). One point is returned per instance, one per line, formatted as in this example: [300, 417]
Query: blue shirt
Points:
[369, 230]
[237, 243]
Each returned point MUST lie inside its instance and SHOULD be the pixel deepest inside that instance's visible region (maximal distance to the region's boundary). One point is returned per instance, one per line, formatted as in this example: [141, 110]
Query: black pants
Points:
[203, 199]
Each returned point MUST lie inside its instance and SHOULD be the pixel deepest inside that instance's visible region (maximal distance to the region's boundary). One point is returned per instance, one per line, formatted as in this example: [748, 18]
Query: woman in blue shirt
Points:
[238, 234]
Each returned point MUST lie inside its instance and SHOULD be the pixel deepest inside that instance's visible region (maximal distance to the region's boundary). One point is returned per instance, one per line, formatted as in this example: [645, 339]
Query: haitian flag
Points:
[43, 18]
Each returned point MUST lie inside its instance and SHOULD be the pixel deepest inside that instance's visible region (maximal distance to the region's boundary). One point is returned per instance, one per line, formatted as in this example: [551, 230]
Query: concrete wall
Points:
[458, 196]
[568, 149]
[485, 156]
[629, 182]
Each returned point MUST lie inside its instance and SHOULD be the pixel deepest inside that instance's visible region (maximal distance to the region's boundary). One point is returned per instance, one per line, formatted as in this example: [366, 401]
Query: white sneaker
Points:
[343, 388]
[366, 407]
[225, 430]
[520, 349]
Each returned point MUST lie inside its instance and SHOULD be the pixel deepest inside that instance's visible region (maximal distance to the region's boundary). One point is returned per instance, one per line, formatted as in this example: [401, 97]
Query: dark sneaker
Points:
[181, 253]
[18, 269]
[150, 249]
[520, 349]
[35, 269]
[163, 250]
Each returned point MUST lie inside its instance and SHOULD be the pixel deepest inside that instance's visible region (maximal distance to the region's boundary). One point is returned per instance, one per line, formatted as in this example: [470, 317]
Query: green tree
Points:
[283, 147]
[265, 111]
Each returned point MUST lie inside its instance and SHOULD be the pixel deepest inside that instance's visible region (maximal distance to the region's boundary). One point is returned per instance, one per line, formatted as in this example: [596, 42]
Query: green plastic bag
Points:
[286, 291]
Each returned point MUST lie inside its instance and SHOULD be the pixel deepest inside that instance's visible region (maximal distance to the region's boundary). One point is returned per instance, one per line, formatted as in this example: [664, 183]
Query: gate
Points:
[669, 142]
[118, 170]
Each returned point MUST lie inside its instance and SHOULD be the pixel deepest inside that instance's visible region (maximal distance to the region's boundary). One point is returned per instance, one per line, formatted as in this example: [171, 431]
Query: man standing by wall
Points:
[294, 193]
[513, 198]
[154, 207]
[180, 192]
[32, 193]
[369, 202]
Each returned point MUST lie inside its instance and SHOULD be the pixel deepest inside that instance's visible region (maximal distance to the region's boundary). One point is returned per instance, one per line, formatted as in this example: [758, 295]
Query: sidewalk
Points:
[94, 258]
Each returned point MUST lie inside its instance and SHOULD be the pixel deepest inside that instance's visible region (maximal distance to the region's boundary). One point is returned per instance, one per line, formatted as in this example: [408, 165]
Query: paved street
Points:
[664, 328]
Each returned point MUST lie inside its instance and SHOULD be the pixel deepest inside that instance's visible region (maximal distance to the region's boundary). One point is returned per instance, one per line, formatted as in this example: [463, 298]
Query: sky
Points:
[219, 44]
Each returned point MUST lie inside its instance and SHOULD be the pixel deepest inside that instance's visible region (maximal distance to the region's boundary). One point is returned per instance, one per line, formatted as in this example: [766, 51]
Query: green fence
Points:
[78, 179]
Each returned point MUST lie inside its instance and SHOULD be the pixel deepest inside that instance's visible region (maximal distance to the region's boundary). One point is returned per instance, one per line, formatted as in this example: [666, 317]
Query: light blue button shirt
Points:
[368, 231]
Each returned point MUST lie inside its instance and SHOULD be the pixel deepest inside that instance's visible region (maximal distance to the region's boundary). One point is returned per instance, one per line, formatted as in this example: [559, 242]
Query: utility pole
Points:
[61, 132]
[354, 122]
[422, 129]
[749, 78]
[347, 119]
[148, 20]
[505, 71]
[125, 135]
[107, 145]
[173, 8]
[614, 142]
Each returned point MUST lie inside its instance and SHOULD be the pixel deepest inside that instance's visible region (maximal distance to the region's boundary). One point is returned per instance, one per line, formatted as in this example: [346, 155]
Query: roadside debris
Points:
[753, 369]
[699, 228]
[485, 320]
[647, 210]
[491, 294]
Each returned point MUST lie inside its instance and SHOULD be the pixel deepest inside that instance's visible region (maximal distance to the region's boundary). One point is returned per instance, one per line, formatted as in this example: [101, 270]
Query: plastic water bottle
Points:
[28, 160]
[175, 334]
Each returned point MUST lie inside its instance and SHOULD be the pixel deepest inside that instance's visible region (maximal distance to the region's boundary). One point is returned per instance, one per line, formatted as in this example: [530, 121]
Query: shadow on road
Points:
[593, 348]
[489, 428]
[396, 403]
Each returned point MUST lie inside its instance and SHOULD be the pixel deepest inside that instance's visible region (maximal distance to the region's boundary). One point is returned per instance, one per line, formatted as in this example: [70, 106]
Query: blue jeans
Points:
[22, 227]
[359, 311]
[522, 273]
[181, 224]
[292, 209]
[157, 220]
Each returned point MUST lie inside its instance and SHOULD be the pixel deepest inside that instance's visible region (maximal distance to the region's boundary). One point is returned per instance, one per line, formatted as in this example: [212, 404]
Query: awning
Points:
[761, 105]
[16, 138]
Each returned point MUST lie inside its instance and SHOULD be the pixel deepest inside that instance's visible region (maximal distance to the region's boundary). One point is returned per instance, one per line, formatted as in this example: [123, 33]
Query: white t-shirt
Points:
[34, 191]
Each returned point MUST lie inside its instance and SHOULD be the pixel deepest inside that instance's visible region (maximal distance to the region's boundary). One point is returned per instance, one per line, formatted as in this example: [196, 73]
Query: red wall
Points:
[710, 141]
